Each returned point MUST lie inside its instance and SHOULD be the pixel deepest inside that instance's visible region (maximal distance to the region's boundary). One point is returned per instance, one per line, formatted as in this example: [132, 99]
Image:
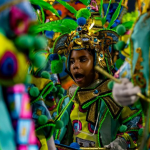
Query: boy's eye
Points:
[83, 59]
[71, 61]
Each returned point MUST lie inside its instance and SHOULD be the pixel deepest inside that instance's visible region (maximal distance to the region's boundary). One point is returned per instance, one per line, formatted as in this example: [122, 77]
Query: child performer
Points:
[91, 117]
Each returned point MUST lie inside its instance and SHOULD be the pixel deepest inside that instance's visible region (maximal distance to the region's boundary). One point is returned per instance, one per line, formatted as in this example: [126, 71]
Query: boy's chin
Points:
[82, 85]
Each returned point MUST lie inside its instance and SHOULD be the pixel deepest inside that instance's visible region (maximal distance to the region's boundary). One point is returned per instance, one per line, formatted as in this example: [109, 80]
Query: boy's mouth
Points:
[78, 77]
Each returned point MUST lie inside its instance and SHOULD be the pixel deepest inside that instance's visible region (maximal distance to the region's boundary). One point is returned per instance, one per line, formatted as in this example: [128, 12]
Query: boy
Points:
[97, 120]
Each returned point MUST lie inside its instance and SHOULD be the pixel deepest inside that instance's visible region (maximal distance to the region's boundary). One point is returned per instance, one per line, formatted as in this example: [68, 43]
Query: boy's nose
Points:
[76, 65]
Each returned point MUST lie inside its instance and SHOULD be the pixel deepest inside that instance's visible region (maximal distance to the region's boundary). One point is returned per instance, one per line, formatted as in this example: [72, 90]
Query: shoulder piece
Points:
[71, 90]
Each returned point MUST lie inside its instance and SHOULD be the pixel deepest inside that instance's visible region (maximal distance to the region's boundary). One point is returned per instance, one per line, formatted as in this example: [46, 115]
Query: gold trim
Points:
[131, 43]
[97, 148]
[138, 77]
[94, 148]
[84, 96]
[91, 114]
[127, 112]
[112, 105]
[63, 148]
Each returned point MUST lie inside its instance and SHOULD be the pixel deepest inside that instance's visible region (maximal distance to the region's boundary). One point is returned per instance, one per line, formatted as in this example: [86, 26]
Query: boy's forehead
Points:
[79, 53]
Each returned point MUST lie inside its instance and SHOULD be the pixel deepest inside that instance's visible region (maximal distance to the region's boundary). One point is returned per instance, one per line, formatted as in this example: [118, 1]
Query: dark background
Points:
[131, 5]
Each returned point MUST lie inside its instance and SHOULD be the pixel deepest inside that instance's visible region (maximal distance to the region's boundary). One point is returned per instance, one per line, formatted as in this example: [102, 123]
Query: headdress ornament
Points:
[88, 36]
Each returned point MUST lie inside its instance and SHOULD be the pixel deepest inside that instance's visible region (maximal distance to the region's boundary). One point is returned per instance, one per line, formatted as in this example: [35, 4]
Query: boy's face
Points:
[81, 67]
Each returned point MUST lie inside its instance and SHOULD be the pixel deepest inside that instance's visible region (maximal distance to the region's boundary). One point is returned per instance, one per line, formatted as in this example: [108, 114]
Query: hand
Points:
[125, 93]
[117, 144]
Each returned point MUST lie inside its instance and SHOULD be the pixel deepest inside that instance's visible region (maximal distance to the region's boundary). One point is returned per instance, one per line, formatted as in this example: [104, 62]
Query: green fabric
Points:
[34, 92]
[140, 111]
[108, 126]
[51, 130]
[92, 101]
[44, 92]
[100, 127]
[6, 130]
[141, 39]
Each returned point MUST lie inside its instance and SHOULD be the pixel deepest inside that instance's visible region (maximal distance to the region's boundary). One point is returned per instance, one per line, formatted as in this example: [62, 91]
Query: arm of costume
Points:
[43, 121]
[44, 124]
[132, 125]
[63, 113]
[129, 130]
[125, 94]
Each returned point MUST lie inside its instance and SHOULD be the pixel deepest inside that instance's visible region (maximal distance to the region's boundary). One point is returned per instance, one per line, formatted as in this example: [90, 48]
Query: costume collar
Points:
[89, 98]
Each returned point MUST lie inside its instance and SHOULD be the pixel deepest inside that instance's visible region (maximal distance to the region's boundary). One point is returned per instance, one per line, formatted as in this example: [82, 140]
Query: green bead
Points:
[123, 128]
[63, 59]
[114, 47]
[45, 75]
[25, 42]
[60, 95]
[54, 89]
[121, 30]
[140, 132]
[40, 42]
[138, 106]
[42, 120]
[110, 85]
[38, 60]
[59, 124]
[120, 45]
[61, 90]
[28, 79]
[34, 91]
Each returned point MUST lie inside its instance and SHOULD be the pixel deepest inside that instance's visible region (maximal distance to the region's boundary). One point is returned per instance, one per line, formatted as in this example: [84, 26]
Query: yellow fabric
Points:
[42, 140]
[127, 112]
[45, 54]
[21, 73]
[144, 3]
[128, 138]
[82, 119]
[40, 83]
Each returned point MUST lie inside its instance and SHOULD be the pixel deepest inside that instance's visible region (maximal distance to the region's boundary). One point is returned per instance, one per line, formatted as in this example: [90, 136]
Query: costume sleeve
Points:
[63, 110]
[132, 125]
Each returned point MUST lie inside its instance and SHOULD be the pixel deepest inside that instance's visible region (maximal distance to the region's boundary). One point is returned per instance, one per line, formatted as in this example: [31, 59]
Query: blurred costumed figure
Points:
[136, 69]
[17, 127]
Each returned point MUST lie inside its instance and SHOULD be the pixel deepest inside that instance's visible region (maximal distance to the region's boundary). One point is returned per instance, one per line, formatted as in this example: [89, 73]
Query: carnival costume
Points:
[90, 115]
[17, 127]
